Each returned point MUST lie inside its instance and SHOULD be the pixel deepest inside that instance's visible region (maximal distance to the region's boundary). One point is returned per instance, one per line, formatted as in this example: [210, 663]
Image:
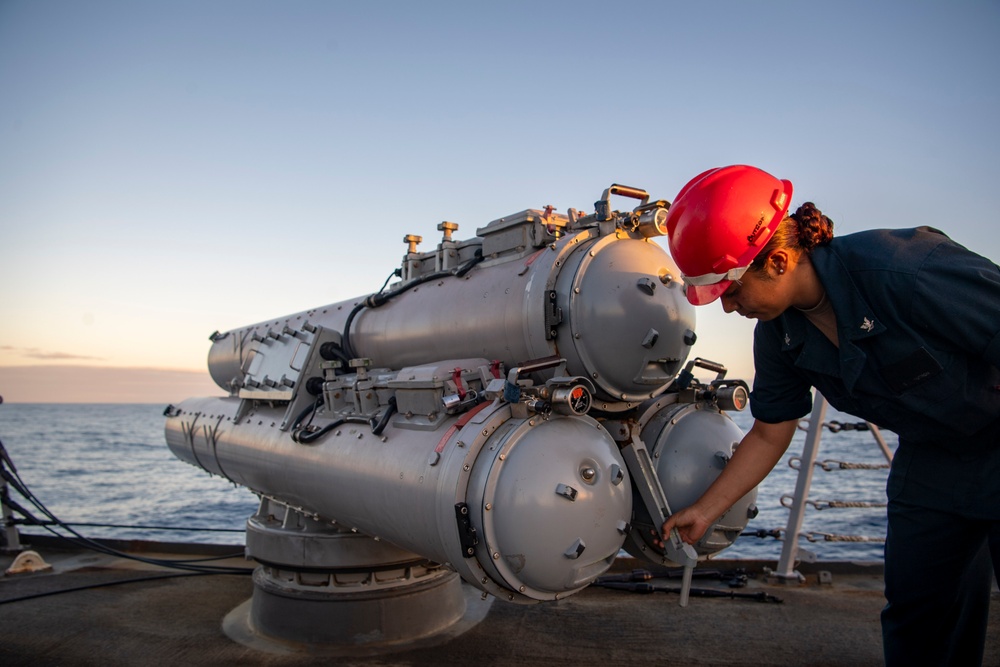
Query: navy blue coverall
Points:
[918, 322]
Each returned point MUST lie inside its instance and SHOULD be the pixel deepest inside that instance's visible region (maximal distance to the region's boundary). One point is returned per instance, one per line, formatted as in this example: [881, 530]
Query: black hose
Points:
[380, 298]
[97, 546]
[308, 409]
[311, 437]
[32, 521]
[390, 410]
[35, 596]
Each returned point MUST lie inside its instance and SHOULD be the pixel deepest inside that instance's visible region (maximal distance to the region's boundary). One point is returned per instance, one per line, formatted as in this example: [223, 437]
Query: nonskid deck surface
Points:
[178, 620]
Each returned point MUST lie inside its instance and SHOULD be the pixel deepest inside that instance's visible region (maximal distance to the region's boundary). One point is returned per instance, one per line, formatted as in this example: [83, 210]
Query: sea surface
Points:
[108, 464]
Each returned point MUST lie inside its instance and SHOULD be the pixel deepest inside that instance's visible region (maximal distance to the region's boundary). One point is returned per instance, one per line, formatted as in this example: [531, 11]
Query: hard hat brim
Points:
[701, 295]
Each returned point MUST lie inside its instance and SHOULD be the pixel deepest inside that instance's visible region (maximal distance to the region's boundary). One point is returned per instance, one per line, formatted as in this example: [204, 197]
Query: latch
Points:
[553, 315]
[466, 531]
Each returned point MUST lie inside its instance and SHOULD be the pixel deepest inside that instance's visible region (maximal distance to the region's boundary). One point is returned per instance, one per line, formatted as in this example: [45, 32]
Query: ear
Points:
[778, 262]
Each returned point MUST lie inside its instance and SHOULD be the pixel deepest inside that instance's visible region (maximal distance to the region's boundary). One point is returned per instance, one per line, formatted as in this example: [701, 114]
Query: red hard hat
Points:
[719, 222]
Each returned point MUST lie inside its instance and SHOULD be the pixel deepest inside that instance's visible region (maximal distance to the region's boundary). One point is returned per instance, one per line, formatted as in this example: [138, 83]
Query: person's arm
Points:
[753, 459]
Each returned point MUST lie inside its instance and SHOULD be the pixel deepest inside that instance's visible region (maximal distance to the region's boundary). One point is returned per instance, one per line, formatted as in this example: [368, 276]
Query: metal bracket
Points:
[466, 531]
[640, 466]
[553, 314]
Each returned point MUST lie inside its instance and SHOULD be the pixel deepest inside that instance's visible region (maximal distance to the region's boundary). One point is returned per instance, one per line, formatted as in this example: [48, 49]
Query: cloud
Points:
[100, 384]
[48, 355]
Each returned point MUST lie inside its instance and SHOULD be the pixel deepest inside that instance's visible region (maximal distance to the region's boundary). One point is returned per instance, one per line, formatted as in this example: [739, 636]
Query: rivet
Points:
[503, 456]
[496, 556]
[489, 506]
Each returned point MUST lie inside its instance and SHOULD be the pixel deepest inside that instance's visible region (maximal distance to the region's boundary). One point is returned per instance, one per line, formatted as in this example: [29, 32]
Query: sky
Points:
[169, 169]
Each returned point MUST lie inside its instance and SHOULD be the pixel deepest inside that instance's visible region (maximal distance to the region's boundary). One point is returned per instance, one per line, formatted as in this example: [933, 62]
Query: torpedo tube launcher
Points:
[515, 409]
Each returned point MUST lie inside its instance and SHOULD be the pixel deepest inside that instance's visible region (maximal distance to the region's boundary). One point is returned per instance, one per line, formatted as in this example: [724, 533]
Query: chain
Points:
[832, 464]
[837, 427]
[788, 499]
[829, 537]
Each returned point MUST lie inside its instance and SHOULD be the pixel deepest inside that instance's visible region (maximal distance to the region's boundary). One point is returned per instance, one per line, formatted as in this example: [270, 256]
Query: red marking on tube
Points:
[462, 421]
[456, 375]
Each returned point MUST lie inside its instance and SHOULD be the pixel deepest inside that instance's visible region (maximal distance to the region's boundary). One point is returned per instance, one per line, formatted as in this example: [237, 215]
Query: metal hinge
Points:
[466, 531]
[553, 315]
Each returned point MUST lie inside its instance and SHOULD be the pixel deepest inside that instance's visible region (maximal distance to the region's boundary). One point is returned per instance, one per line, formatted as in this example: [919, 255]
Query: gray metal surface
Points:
[622, 320]
[403, 486]
[499, 412]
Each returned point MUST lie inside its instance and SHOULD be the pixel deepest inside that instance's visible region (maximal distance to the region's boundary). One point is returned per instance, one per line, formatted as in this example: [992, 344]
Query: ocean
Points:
[108, 464]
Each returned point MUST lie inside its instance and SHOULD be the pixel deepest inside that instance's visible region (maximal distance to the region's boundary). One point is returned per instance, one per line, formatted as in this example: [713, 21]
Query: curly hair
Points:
[803, 230]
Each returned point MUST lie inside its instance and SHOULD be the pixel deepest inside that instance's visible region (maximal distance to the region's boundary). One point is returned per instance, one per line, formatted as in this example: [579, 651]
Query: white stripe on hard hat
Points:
[713, 278]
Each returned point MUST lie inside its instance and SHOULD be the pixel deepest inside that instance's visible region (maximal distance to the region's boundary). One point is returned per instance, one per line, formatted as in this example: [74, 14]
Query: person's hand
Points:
[691, 525]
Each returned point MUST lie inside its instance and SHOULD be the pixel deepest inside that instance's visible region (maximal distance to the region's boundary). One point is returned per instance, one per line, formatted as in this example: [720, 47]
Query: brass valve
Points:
[448, 228]
[412, 240]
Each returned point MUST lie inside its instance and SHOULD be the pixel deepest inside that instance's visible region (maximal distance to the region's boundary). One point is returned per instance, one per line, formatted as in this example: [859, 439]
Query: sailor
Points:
[898, 327]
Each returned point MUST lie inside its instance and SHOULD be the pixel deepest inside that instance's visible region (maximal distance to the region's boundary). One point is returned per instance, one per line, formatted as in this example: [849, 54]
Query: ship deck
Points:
[95, 609]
